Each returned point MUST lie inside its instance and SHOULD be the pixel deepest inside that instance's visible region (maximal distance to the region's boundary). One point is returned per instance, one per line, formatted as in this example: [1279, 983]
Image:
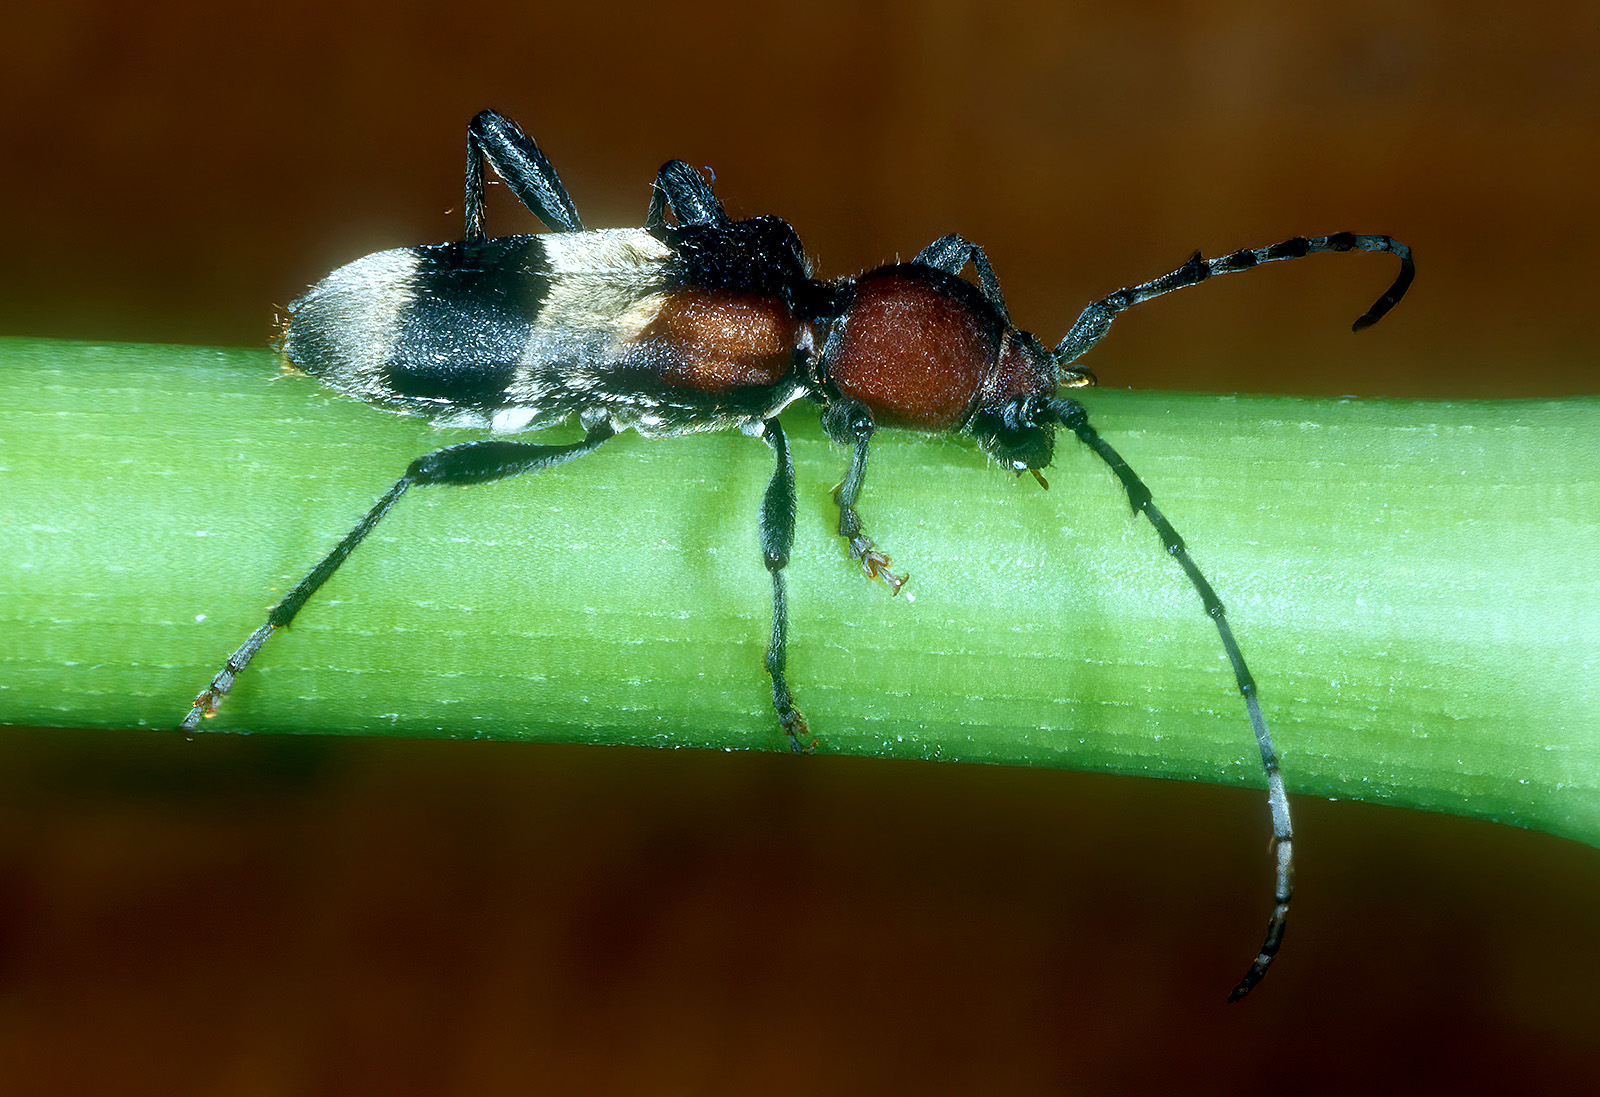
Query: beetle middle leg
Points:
[467, 463]
[681, 189]
[777, 541]
[850, 423]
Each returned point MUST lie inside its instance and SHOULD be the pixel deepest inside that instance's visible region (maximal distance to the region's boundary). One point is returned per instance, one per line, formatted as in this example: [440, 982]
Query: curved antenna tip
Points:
[1391, 297]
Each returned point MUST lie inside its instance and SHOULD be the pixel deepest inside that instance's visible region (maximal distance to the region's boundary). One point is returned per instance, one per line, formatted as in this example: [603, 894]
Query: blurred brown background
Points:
[264, 917]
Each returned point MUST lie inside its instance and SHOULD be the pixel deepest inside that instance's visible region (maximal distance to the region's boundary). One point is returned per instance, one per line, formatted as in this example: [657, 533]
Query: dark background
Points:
[261, 916]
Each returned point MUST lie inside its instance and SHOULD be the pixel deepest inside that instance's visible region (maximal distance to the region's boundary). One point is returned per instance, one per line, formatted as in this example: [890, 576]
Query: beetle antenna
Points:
[1071, 414]
[1093, 323]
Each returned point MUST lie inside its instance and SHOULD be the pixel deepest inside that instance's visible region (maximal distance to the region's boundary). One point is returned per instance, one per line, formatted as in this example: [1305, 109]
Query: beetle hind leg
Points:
[467, 463]
[516, 159]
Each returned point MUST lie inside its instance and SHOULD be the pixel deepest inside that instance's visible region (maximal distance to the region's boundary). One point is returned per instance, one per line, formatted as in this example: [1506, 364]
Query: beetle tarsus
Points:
[876, 564]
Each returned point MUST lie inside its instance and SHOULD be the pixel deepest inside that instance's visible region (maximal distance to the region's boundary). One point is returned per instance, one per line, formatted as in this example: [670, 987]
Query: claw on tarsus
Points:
[794, 726]
[876, 565]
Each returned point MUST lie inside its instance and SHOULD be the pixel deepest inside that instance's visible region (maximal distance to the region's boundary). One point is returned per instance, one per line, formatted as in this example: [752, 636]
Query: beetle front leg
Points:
[848, 422]
[953, 252]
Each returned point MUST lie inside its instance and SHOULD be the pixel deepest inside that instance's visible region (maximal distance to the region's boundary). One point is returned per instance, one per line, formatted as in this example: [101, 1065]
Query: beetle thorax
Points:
[924, 349]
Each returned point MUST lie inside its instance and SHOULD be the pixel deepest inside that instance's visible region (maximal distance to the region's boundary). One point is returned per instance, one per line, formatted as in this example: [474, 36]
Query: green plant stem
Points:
[1413, 584]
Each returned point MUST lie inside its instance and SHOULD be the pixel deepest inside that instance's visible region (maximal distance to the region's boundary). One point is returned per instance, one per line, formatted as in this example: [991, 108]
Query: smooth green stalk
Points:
[1414, 585]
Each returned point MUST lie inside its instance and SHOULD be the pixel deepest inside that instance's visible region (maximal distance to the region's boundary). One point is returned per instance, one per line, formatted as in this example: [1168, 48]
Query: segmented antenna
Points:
[1093, 323]
[1071, 414]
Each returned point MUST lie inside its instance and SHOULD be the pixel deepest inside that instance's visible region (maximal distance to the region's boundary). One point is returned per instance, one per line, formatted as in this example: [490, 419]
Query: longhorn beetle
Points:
[706, 323]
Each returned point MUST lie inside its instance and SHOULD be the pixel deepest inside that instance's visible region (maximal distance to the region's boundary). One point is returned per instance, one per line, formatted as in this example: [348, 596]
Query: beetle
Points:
[702, 322]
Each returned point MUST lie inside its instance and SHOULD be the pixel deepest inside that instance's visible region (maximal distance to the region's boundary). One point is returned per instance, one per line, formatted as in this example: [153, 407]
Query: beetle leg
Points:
[467, 463]
[951, 253]
[849, 422]
[517, 160]
[681, 189]
[777, 540]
